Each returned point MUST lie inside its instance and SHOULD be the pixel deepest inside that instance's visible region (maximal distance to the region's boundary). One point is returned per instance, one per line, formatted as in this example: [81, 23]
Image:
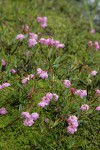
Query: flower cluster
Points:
[42, 74]
[67, 83]
[3, 111]
[32, 40]
[42, 21]
[29, 118]
[81, 93]
[51, 42]
[84, 107]
[47, 98]
[73, 124]
[4, 85]
[25, 80]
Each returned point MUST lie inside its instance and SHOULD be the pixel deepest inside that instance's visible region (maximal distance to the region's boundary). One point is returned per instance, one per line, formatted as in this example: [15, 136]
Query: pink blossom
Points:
[3, 63]
[72, 119]
[49, 95]
[6, 84]
[24, 81]
[26, 115]
[73, 124]
[92, 31]
[42, 21]
[1, 87]
[28, 122]
[33, 36]
[98, 92]
[67, 83]
[43, 41]
[42, 104]
[31, 42]
[46, 120]
[93, 73]
[96, 46]
[55, 96]
[13, 71]
[46, 100]
[81, 93]
[26, 28]
[97, 108]
[71, 130]
[3, 111]
[55, 43]
[20, 37]
[31, 76]
[60, 46]
[35, 116]
[84, 107]
[42, 74]
[90, 43]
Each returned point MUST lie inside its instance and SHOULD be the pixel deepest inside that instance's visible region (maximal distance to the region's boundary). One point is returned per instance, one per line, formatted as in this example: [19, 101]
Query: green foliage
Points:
[75, 62]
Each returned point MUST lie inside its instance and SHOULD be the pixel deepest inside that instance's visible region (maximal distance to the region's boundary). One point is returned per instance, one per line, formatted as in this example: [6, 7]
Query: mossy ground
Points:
[67, 24]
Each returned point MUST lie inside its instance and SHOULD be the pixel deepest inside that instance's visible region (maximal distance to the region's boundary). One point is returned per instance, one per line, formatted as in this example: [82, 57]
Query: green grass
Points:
[67, 24]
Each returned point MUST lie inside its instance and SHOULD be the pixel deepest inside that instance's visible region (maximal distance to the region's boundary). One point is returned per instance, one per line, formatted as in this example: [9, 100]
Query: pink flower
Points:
[31, 42]
[26, 115]
[60, 46]
[26, 28]
[55, 43]
[43, 41]
[67, 83]
[96, 46]
[72, 119]
[3, 111]
[46, 100]
[81, 93]
[3, 63]
[35, 116]
[50, 42]
[84, 107]
[97, 108]
[6, 84]
[1, 87]
[33, 36]
[20, 37]
[24, 81]
[90, 43]
[49, 95]
[46, 120]
[71, 130]
[93, 73]
[28, 122]
[42, 104]
[98, 92]
[42, 74]
[92, 31]
[55, 96]
[13, 71]
[31, 76]
[73, 124]
[42, 21]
